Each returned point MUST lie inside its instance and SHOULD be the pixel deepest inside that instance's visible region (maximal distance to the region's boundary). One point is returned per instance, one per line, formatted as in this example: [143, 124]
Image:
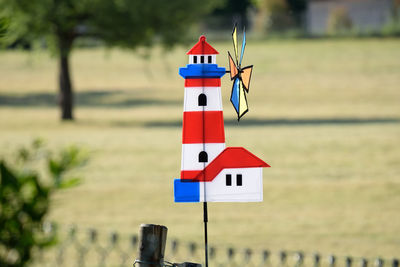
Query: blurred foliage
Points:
[231, 7]
[392, 28]
[339, 21]
[231, 11]
[280, 15]
[25, 197]
[122, 23]
[3, 28]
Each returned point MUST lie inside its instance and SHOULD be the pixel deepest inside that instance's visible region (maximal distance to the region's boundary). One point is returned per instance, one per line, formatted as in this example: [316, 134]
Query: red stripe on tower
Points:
[203, 127]
[190, 175]
[204, 82]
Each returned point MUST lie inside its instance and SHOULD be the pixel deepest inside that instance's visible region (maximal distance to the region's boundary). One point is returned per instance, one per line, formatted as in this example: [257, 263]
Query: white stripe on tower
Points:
[191, 151]
[212, 96]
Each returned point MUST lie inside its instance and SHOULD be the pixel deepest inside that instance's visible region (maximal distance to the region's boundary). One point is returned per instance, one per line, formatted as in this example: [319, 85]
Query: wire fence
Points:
[89, 247]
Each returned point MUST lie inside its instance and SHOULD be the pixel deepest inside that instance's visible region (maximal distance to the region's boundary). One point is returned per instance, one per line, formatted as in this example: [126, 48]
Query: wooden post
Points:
[317, 259]
[332, 261]
[151, 248]
[349, 261]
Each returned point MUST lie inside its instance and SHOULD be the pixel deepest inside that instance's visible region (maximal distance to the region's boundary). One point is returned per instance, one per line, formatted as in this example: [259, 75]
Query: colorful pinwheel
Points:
[240, 76]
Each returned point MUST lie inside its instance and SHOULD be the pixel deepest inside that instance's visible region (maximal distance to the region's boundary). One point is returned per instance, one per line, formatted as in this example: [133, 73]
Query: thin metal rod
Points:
[205, 219]
[205, 211]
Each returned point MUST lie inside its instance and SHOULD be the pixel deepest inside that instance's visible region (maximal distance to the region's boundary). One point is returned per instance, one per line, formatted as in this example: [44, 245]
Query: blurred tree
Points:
[25, 199]
[124, 23]
[281, 14]
[396, 10]
[236, 10]
[3, 28]
[339, 21]
[297, 9]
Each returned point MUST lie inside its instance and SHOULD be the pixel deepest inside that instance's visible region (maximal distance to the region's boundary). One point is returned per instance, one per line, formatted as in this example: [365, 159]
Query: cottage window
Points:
[201, 59]
[209, 59]
[202, 100]
[239, 181]
[203, 157]
[228, 180]
[194, 59]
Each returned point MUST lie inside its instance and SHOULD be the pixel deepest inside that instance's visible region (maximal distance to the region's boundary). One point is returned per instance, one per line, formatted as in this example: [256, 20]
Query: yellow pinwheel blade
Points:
[246, 76]
[235, 43]
[232, 67]
[243, 107]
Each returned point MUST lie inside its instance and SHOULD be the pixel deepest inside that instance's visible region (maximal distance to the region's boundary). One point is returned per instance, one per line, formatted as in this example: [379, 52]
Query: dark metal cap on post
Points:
[151, 248]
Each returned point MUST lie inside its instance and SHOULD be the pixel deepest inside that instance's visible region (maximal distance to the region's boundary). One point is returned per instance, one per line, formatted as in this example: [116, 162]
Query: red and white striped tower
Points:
[203, 136]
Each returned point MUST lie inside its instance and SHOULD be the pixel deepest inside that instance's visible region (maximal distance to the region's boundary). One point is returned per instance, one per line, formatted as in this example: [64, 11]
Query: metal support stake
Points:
[205, 219]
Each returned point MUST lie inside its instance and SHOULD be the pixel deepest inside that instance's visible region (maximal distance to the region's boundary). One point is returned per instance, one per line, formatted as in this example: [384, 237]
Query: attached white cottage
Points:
[235, 175]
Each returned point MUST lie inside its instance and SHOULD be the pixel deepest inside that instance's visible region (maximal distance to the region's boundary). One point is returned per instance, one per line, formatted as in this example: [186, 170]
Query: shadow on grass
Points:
[283, 122]
[100, 98]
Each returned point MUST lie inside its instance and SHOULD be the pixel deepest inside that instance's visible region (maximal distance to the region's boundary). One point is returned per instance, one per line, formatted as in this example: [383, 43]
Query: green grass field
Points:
[324, 114]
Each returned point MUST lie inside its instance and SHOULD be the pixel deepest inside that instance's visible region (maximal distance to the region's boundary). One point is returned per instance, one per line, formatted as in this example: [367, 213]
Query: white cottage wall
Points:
[250, 191]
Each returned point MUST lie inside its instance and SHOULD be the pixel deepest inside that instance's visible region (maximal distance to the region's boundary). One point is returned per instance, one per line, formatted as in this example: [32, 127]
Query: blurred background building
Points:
[363, 15]
[307, 18]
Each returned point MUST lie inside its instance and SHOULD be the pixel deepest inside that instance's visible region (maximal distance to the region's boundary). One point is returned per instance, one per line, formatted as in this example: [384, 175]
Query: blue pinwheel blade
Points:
[235, 94]
[243, 45]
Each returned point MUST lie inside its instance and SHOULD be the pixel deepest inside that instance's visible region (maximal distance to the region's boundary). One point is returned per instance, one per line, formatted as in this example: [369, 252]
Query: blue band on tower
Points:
[202, 71]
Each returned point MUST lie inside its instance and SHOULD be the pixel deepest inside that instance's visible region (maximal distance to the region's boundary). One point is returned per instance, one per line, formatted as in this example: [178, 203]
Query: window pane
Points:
[209, 59]
[202, 100]
[194, 59]
[203, 157]
[238, 179]
[202, 59]
[228, 180]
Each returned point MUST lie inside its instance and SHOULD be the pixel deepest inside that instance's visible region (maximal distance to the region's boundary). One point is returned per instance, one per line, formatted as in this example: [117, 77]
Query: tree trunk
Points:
[66, 98]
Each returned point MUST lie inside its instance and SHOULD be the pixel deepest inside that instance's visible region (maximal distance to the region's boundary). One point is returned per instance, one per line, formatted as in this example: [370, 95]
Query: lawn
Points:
[325, 114]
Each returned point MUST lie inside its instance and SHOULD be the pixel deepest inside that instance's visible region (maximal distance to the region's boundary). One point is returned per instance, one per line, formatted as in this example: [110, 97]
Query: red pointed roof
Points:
[230, 158]
[202, 48]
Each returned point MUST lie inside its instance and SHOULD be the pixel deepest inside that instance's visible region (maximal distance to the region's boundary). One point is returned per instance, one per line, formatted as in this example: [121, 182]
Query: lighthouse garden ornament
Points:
[211, 172]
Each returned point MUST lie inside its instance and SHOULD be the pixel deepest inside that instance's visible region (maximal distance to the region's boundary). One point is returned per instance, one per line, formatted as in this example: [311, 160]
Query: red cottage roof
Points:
[230, 158]
[202, 48]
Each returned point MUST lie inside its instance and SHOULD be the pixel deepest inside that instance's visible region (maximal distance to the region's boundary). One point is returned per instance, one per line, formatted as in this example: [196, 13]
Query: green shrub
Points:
[392, 28]
[25, 198]
[3, 28]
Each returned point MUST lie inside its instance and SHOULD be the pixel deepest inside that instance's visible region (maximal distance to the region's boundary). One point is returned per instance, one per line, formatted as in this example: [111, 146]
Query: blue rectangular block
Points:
[186, 191]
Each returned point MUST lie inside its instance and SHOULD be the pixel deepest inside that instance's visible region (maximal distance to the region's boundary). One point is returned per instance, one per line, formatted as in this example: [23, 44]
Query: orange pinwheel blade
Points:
[232, 67]
[246, 76]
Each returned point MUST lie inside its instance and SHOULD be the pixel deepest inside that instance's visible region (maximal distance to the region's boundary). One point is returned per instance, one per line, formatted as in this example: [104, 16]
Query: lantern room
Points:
[202, 53]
